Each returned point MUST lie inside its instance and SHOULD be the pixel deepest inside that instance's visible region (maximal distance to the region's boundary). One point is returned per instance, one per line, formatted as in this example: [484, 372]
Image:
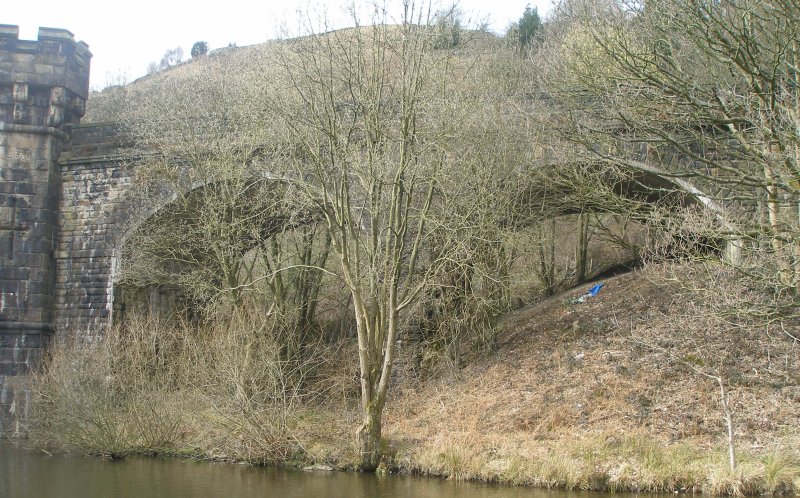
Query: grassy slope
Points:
[571, 399]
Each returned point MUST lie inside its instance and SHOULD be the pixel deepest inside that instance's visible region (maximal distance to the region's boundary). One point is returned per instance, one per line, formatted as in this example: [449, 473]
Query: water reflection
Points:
[29, 474]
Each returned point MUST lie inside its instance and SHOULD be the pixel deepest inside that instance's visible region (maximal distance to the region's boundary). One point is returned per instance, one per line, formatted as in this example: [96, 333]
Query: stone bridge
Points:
[63, 204]
[58, 270]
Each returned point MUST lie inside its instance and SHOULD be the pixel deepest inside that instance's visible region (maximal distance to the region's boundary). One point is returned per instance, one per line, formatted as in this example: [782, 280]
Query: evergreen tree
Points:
[528, 26]
[199, 48]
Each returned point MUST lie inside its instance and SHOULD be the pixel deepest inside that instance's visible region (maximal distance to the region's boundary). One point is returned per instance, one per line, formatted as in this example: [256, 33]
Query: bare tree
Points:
[356, 128]
[171, 57]
[371, 122]
[704, 93]
[372, 132]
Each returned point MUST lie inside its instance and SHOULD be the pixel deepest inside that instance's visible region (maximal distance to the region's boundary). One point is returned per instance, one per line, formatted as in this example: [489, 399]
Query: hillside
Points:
[633, 389]
[602, 395]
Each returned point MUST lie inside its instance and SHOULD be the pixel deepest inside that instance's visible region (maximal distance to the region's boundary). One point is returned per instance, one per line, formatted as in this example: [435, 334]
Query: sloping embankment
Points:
[610, 394]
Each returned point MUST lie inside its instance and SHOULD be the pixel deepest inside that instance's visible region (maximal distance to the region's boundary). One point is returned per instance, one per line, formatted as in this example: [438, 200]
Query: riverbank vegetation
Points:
[599, 395]
[406, 203]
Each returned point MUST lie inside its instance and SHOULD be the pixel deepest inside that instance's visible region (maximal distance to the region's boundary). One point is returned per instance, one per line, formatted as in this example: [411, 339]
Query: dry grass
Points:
[604, 462]
[601, 396]
[166, 388]
[596, 396]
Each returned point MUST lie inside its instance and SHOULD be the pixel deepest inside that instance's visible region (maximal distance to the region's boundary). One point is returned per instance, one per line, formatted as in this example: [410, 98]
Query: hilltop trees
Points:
[171, 57]
[449, 24]
[528, 26]
[523, 32]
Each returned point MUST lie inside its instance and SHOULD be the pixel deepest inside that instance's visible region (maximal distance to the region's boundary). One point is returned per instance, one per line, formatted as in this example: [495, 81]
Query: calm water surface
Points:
[33, 474]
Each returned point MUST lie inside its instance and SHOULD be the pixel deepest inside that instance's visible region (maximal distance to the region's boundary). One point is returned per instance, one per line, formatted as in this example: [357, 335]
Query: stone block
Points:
[39, 287]
[13, 355]
[15, 174]
[10, 276]
[11, 369]
[27, 214]
[33, 260]
[42, 189]
[20, 338]
[23, 187]
[21, 92]
[35, 315]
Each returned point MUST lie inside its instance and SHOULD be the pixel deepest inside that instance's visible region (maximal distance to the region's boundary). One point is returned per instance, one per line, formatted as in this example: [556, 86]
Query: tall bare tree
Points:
[378, 117]
[356, 124]
[378, 132]
[703, 91]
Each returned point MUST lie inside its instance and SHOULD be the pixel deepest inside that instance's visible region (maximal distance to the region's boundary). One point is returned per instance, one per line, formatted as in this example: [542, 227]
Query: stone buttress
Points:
[44, 85]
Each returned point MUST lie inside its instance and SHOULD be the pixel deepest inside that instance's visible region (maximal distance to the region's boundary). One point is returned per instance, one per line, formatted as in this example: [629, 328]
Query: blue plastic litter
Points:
[590, 293]
[594, 290]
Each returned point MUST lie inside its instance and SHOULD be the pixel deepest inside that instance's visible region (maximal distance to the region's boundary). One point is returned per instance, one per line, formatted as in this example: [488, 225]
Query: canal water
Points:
[29, 474]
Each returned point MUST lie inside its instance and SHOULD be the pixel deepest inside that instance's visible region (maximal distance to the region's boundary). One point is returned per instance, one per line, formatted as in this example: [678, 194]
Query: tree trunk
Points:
[773, 212]
[368, 438]
[726, 412]
[582, 249]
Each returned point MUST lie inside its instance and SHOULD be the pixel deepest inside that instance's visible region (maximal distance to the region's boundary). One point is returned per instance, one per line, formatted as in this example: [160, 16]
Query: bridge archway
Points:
[106, 200]
[199, 244]
[591, 218]
[100, 212]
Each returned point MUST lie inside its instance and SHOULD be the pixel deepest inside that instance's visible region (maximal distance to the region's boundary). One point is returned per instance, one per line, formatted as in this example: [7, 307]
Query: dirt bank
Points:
[613, 393]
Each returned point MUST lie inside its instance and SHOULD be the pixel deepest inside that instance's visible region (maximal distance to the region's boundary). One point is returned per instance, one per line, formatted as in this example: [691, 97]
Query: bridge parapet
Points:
[43, 82]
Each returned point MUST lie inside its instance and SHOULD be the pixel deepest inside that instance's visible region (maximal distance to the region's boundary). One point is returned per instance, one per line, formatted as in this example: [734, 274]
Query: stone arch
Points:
[99, 208]
[731, 248]
[167, 208]
[654, 183]
[98, 202]
[562, 196]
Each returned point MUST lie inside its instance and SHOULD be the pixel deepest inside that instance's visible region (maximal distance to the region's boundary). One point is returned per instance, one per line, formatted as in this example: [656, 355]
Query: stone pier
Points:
[44, 85]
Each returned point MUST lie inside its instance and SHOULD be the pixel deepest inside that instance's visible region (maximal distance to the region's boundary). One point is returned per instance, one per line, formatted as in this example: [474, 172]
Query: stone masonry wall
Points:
[29, 192]
[44, 84]
[93, 216]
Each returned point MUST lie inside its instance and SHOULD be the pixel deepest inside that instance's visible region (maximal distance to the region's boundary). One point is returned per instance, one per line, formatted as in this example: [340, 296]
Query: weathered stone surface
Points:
[93, 215]
[15, 402]
[43, 86]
